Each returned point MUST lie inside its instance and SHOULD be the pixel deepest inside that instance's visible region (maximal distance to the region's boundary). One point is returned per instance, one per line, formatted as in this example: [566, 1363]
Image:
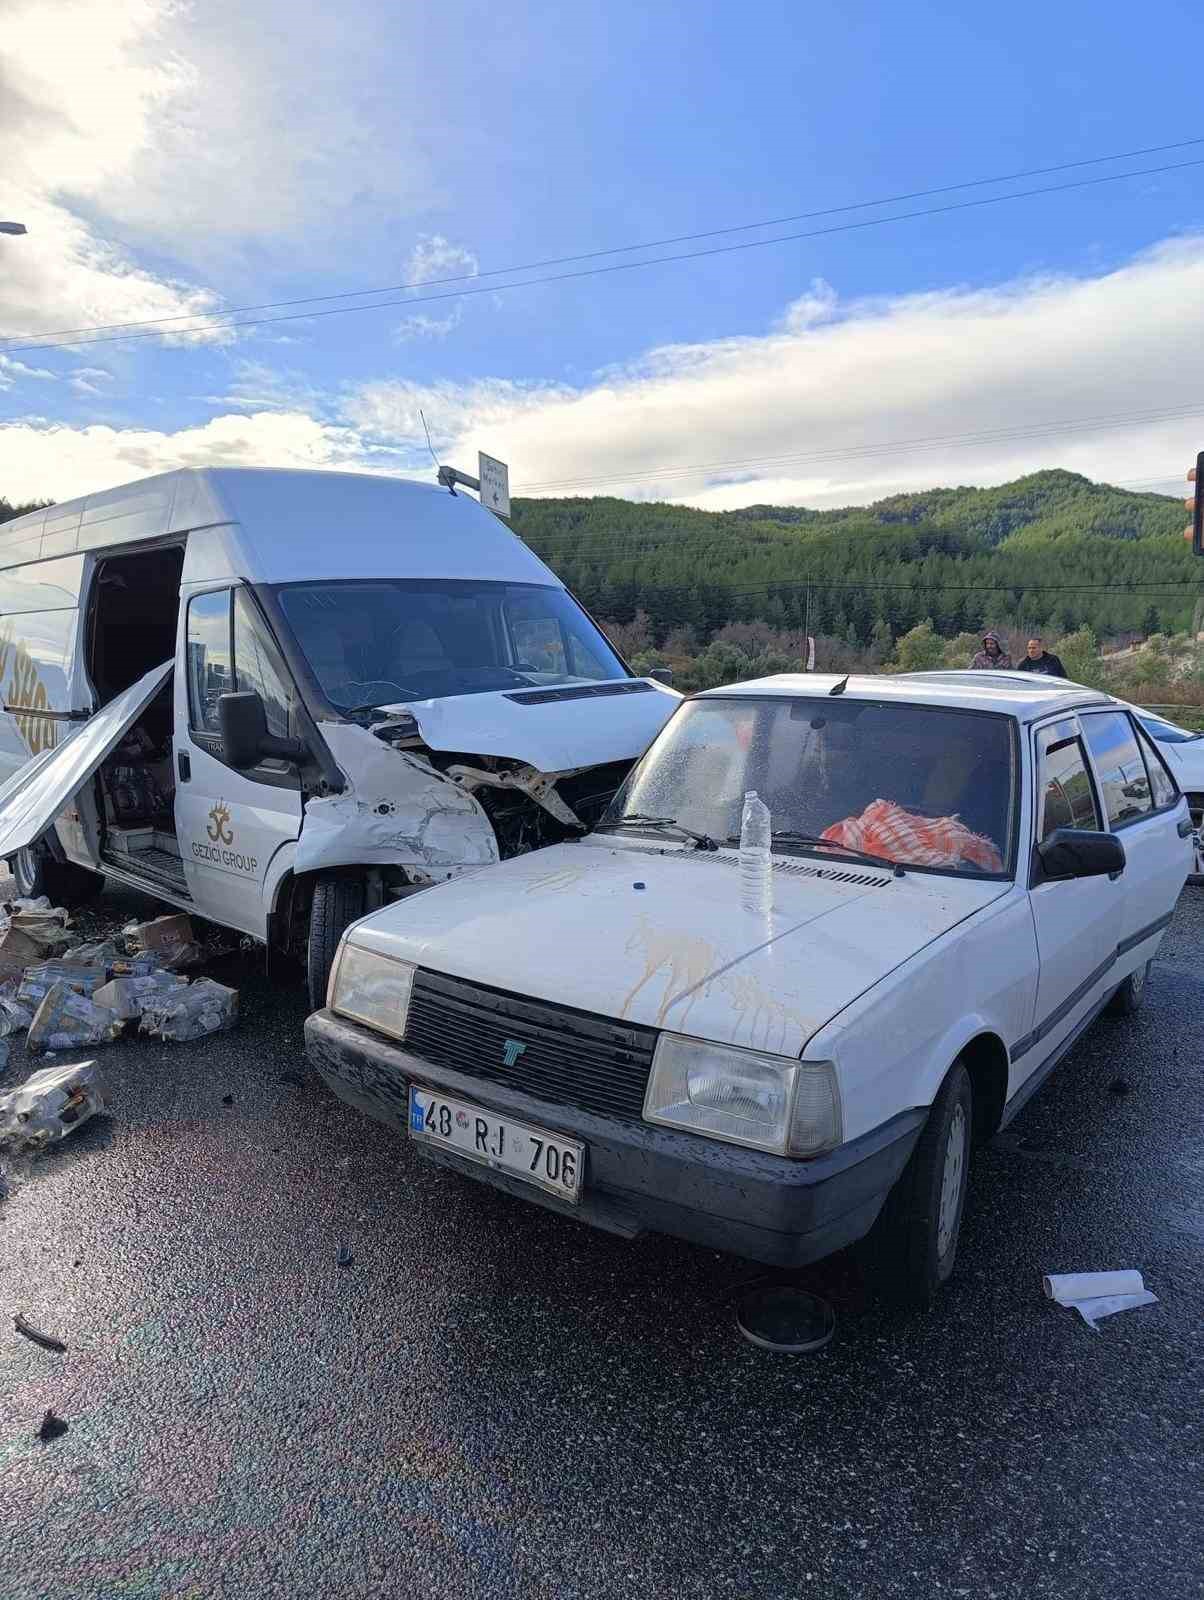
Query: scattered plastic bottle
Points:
[756, 867]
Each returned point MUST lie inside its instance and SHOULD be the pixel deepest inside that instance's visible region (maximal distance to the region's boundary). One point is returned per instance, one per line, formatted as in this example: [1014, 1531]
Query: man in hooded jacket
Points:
[992, 655]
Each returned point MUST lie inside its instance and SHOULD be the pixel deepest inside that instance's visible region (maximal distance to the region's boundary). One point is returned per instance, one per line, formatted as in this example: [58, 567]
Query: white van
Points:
[379, 687]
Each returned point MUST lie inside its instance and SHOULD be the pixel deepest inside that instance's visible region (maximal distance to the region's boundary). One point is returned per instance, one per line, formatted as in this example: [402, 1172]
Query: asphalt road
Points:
[492, 1401]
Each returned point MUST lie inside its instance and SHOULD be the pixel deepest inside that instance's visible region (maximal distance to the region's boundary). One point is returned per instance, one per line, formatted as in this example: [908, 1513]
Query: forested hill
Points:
[1052, 550]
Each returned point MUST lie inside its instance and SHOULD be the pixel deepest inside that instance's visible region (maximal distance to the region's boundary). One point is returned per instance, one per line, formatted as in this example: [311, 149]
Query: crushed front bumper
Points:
[638, 1177]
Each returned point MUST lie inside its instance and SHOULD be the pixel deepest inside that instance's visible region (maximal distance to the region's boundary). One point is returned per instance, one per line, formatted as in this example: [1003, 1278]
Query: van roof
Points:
[295, 523]
[1018, 694]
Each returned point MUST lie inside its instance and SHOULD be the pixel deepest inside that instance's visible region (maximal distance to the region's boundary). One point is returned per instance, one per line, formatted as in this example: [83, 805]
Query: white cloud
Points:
[841, 407]
[849, 381]
[435, 259]
[12, 371]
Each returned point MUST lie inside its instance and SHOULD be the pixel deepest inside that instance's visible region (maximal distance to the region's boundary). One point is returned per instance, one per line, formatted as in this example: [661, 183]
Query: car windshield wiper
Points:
[793, 836]
[640, 819]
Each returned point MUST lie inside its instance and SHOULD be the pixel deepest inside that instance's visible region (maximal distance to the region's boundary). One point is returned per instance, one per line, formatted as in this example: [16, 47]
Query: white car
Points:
[964, 871]
[1184, 753]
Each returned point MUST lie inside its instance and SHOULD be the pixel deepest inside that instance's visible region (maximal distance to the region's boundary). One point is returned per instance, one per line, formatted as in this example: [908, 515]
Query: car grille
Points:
[571, 1058]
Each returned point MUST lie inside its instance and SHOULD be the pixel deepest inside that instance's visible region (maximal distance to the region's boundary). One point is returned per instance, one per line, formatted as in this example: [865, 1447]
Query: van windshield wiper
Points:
[793, 836]
[640, 819]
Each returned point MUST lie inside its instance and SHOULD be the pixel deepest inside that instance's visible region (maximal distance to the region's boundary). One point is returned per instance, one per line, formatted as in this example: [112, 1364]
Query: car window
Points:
[1164, 788]
[257, 665]
[1120, 764]
[1067, 795]
[1167, 732]
[210, 662]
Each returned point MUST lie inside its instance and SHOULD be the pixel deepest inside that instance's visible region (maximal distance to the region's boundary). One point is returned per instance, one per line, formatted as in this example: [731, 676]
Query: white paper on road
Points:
[1098, 1294]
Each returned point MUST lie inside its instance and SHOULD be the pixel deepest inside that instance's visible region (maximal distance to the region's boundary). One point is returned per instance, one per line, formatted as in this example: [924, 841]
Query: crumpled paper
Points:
[1098, 1294]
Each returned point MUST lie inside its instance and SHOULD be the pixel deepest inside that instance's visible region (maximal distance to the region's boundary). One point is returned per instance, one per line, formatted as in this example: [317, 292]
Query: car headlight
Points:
[371, 988]
[771, 1102]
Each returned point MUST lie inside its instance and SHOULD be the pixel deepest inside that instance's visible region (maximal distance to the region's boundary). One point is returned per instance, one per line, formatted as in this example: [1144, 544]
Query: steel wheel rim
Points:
[26, 869]
[952, 1180]
[1137, 983]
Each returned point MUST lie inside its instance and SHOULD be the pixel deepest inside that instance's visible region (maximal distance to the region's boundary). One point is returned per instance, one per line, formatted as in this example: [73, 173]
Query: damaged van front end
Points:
[439, 788]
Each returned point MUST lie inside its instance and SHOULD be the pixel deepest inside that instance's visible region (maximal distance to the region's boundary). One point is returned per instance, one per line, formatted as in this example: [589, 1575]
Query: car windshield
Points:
[387, 640]
[1166, 732]
[920, 785]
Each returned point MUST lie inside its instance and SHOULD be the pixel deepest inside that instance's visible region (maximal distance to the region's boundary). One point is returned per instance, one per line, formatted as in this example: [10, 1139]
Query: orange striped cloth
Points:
[885, 829]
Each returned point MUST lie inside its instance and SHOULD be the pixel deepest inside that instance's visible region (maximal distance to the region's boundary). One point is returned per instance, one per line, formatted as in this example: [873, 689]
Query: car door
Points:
[1144, 808]
[230, 824]
[1075, 919]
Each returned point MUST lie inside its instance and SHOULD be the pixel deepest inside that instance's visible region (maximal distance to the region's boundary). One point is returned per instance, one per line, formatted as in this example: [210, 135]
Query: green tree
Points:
[921, 649]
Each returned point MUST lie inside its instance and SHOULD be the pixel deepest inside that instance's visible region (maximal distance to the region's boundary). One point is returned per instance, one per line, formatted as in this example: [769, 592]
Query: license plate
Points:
[532, 1154]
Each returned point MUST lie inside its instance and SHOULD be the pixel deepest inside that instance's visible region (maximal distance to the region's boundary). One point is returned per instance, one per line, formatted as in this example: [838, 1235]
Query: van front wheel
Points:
[337, 902]
[35, 872]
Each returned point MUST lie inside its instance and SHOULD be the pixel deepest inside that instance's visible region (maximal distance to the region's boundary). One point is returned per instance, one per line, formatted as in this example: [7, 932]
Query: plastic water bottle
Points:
[756, 868]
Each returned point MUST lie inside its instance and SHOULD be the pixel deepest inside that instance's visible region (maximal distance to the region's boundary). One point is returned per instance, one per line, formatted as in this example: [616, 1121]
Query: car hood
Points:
[553, 729]
[661, 937]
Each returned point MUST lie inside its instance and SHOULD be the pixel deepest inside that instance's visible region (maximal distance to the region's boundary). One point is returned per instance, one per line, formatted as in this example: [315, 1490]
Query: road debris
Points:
[1098, 1294]
[171, 940]
[1118, 1086]
[52, 1103]
[344, 1258]
[14, 1017]
[52, 1428]
[128, 998]
[39, 980]
[46, 1340]
[66, 1020]
[191, 1011]
[227, 1099]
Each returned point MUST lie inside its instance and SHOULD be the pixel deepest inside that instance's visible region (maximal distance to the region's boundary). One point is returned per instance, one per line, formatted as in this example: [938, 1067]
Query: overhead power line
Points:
[622, 249]
[213, 323]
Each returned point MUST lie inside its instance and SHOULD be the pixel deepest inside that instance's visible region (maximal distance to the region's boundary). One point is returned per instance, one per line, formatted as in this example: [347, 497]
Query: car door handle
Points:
[184, 762]
[1186, 826]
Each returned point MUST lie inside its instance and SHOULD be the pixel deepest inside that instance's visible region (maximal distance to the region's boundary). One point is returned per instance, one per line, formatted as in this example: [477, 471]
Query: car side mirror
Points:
[662, 675]
[1081, 853]
[244, 729]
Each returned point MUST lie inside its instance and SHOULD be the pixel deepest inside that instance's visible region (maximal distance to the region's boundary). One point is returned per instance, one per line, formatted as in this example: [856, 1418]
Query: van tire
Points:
[337, 903]
[1130, 997]
[913, 1244]
[35, 872]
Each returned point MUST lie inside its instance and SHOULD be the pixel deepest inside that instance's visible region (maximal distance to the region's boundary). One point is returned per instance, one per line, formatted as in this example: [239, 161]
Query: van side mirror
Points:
[662, 675]
[244, 729]
[1081, 853]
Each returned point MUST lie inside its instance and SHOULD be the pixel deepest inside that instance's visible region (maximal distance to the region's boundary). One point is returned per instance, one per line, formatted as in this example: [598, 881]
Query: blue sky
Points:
[174, 158]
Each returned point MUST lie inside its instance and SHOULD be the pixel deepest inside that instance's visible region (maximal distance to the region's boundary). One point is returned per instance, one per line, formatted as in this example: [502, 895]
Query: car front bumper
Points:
[639, 1177]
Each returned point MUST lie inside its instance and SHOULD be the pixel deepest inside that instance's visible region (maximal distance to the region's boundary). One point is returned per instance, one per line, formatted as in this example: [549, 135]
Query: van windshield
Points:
[387, 640]
[920, 785]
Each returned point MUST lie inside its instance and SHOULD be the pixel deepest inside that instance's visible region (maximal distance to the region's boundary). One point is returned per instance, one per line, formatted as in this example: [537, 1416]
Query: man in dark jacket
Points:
[992, 657]
[1039, 659]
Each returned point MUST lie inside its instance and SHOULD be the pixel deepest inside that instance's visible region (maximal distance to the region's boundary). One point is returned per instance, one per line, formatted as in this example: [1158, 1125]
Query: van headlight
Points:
[775, 1103]
[371, 988]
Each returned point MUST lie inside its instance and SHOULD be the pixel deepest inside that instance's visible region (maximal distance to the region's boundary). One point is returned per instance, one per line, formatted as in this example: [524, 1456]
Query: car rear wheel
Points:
[35, 872]
[338, 901]
[913, 1245]
[1130, 997]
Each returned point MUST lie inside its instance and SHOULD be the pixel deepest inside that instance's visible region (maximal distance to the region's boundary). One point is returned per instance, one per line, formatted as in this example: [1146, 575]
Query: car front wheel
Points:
[913, 1245]
[1130, 997]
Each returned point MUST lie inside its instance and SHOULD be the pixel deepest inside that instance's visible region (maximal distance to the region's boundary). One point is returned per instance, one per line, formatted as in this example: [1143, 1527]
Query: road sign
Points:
[495, 484]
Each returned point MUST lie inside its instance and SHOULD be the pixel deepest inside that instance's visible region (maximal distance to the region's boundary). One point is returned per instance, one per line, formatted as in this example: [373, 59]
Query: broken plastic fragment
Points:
[100, 953]
[46, 1340]
[66, 1020]
[52, 1103]
[52, 1428]
[191, 1011]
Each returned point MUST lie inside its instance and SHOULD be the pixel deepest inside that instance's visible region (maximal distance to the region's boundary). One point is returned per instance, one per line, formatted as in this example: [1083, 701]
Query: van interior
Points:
[135, 603]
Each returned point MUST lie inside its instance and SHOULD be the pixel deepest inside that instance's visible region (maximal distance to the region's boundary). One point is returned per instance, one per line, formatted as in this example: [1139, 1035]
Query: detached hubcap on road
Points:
[951, 1182]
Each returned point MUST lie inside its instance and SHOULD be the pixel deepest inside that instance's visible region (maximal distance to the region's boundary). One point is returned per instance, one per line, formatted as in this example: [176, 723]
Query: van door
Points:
[1144, 809]
[230, 824]
[1075, 920]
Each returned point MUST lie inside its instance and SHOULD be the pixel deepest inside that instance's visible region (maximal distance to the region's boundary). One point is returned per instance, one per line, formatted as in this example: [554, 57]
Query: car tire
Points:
[1130, 997]
[35, 872]
[913, 1245]
[338, 901]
